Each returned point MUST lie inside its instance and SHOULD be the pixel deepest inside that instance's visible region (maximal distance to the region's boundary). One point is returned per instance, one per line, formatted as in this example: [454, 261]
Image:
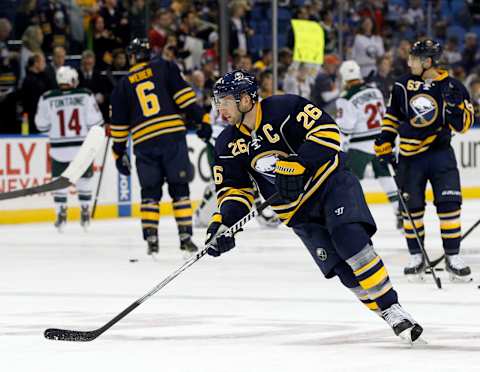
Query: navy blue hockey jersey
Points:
[148, 101]
[416, 113]
[286, 124]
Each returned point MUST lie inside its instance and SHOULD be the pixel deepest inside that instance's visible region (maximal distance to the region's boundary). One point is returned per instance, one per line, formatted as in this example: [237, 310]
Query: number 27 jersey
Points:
[359, 115]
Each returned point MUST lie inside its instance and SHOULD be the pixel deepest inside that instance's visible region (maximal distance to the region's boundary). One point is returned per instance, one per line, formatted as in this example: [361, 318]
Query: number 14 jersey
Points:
[359, 115]
[67, 116]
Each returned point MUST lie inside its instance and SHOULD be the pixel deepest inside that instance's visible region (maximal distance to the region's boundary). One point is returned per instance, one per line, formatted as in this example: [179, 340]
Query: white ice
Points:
[262, 307]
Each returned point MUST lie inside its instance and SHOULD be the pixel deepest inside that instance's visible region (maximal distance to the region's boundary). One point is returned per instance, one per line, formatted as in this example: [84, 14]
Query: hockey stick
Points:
[94, 208]
[440, 259]
[417, 236]
[71, 335]
[78, 166]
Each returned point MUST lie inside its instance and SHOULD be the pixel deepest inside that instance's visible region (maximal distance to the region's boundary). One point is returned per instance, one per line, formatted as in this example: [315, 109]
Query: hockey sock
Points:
[84, 190]
[390, 188]
[373, 277]
[182, 210]
[450, 226]
[150, 214]
[348, 279]
[60, 200]
[353, 244]
[417, 216]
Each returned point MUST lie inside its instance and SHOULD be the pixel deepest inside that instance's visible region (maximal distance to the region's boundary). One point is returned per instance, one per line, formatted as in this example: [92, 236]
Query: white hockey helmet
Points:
[350, 70]
[67, 75]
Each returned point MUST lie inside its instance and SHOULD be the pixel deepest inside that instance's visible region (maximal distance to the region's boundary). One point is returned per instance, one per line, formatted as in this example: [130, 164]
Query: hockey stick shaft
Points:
[412, 222]
[71, 335]
[94, 208]
[440, 259]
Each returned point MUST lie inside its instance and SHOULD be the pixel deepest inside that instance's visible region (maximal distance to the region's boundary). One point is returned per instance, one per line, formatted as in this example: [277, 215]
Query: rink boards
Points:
[24, 163]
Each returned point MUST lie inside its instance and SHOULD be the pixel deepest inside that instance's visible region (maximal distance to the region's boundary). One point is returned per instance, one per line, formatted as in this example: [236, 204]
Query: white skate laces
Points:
[395, 315]
[456, 262]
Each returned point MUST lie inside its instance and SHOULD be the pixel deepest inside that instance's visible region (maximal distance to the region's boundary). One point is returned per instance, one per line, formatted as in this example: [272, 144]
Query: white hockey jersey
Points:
[360, 112]
[67, 116]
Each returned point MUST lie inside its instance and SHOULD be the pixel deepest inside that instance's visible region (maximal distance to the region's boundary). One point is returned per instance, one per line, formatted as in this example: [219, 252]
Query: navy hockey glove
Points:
[290, 177]
[219, 243]
[123, 164]
[452, 94]
[204, 129]
[385, 154]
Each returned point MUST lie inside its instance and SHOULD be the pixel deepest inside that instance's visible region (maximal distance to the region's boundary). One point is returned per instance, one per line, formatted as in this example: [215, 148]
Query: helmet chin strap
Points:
[244, 112]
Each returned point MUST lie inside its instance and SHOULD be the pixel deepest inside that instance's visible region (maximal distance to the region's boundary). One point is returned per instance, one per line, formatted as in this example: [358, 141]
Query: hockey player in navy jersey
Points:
[287, 145]
[425, 107]
[147, 105]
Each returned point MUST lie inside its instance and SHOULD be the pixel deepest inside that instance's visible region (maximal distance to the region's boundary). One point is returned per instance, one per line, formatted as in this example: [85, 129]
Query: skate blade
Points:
[187, 255]
[415, 278]
[460, 279]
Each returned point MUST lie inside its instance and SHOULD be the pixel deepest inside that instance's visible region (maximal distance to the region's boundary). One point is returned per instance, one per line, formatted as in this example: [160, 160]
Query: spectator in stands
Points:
[285, 59]
[58, 60]
[298, 81]
[374, 9]
[138, 21]
[103, 43]
[451, 54]
[32, 40]
[471, 53]
[8, 80]
[239, 31]
[415, 16]
[26, 16]
[91, 79]
[161, 27]
[116, 20]
[383, 77]
[198, 85]
[265, 83]
[35, 84]
[119, 66]
[265, 61]
[325, 91]
[400, 57]
[329, 30]
[367, 48]
[54, 21]
[246, 63]
[474, 89]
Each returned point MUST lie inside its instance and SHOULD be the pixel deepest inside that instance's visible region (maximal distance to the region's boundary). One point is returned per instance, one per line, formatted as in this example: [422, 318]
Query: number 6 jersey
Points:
[67, 116]
[360, 111]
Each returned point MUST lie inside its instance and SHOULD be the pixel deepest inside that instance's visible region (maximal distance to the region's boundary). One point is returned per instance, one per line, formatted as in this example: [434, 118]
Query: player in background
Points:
[425, 106]
[360, 110]
[147, 105]
[67, 114]
[287, 145]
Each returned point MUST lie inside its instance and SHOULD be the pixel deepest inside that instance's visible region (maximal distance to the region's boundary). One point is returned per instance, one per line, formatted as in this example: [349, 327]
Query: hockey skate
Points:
[457, 268]
[188, 247]
[415, 268]
[403, 324]
[61, 220]
[151, 236]
[85, 217]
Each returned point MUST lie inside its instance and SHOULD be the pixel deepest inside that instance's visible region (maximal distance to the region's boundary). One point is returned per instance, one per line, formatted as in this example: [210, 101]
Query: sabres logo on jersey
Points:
[425, 110]
[264, 163]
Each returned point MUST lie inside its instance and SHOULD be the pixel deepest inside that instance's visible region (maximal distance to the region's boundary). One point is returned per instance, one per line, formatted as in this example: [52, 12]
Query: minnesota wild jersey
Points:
[416, 113]
[67, 115]
[286, 124]
[359, 115]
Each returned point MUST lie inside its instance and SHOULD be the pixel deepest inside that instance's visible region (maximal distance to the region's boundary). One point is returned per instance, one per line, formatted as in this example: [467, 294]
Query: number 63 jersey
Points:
[67, 116]
[285, 125]
[360, 110]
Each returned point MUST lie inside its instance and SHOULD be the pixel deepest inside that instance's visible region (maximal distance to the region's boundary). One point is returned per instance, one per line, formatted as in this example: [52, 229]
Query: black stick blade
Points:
[67, 335]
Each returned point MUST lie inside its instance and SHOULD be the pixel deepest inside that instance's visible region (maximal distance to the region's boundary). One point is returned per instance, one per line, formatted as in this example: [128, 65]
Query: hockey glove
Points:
[219, 243]
[385, 154]
[204, 129]
[122, 162]
[289, 177]
[452, 95]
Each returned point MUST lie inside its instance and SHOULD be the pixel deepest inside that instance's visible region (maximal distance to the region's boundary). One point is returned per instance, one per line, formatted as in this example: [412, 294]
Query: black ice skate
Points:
[85, 217]
[457, 268]
[415, 268]
[61, 220]
[402, 324]
[187, 246]
[151, 236]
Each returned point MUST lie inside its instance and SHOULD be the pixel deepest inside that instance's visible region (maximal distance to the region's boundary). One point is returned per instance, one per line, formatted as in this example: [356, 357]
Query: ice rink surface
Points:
[263, 307]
